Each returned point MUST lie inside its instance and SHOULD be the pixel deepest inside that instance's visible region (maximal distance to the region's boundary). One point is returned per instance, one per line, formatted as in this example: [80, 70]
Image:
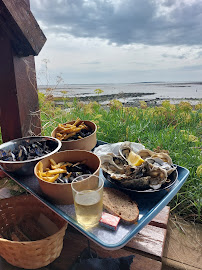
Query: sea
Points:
[129, 93]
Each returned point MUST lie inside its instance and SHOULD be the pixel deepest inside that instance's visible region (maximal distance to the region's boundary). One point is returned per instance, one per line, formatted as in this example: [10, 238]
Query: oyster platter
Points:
[132, 167]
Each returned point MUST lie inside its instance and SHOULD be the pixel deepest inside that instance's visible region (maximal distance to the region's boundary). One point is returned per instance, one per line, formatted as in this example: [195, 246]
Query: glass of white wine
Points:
[87, 192]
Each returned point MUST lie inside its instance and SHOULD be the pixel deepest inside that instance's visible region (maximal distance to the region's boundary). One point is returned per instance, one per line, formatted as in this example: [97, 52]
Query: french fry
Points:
[66, 165]
[51, 179]
[58, 135]
[66, 130]
[77, 121]
[69, 164]
[40, 166]
[56, 171]
[44, 173]
[52, 161]
[69, 174]
[59, 165]
[69, 135]
[39, 174]
[80, 162]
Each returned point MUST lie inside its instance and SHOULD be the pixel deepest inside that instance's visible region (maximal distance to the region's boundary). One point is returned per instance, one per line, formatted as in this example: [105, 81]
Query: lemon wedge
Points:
[134, 159]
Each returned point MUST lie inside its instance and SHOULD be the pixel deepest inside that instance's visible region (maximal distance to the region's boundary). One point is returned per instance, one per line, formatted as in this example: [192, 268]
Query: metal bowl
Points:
[26, 167]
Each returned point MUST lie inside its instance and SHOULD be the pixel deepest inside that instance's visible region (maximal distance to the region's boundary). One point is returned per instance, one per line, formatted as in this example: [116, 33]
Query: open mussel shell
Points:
[142, 186]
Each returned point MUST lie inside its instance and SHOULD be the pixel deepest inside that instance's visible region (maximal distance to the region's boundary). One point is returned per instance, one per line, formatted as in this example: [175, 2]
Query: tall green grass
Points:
[176, 128]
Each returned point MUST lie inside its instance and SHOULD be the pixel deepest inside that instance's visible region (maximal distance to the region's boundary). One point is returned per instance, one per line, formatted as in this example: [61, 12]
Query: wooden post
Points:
[20, 39]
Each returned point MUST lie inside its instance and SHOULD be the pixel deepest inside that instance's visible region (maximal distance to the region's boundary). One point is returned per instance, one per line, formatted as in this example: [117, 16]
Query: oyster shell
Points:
[130, 154]
[145, 153]
[152, 173]
[158, 162]
[158, 177]
[113, 164]
[163, 156]
[133, 177]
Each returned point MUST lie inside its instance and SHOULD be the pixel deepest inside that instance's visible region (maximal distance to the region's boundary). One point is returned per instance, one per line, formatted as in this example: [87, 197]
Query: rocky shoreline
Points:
[136, 98]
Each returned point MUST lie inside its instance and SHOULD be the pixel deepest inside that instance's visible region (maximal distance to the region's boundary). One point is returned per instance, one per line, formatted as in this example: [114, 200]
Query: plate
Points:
[105, 148]
[172, 177]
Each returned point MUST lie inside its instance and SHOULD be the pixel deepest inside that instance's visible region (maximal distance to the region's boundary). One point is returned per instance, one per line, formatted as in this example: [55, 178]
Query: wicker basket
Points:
[31, 254]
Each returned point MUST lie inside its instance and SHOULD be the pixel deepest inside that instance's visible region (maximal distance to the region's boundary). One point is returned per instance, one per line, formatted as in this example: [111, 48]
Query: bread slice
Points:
[119, 204]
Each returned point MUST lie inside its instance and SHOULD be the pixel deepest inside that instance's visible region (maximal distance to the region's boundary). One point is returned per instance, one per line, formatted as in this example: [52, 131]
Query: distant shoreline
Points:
[105, 99]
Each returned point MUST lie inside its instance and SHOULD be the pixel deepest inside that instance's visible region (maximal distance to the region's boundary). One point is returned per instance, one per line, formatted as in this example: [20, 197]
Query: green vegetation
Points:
[176, 128]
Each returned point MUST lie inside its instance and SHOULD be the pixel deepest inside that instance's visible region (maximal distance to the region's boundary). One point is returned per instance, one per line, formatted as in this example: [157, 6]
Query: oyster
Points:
[113, 164]
[145, 153]
[158, 162]
[163, 156]
[129, 154]
[151, 170]
[158, 177]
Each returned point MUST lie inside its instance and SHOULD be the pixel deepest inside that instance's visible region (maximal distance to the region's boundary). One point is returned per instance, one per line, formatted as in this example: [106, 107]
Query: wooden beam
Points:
[20, 26]
[19, 107]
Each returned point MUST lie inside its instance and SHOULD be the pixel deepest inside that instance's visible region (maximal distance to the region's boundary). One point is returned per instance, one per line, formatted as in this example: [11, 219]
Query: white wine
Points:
[88, 206]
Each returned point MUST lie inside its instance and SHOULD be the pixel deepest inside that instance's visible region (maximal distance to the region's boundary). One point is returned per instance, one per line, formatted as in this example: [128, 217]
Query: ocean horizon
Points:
[129, 92]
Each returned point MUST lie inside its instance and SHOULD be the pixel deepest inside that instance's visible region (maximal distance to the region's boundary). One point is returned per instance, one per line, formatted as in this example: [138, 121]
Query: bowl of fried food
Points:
[55, 173]
[76, 134]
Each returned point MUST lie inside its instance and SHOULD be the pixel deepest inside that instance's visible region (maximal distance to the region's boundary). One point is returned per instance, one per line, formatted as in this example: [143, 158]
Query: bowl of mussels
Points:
[76, 134]
[19, 156]
[56, 172]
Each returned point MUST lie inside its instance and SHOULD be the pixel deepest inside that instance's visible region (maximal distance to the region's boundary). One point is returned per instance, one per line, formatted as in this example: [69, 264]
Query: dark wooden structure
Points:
[20, 40]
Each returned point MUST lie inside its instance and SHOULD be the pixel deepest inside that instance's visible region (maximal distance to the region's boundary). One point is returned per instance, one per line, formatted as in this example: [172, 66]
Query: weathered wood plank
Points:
[150, 240]
[75, 243]
[20, 26]
[19, 106]
[161, 220]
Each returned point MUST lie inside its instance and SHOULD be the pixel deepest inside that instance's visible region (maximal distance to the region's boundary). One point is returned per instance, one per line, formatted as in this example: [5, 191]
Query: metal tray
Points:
[150, 204]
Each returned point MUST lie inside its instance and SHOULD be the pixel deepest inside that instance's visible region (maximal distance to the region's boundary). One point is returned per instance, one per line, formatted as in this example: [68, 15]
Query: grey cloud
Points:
[190, 68]
[182, 56]
[130, 21]
[169, 3]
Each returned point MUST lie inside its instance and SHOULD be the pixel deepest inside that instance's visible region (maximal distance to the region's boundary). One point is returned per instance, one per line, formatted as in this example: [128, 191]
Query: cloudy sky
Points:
[119, 41]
